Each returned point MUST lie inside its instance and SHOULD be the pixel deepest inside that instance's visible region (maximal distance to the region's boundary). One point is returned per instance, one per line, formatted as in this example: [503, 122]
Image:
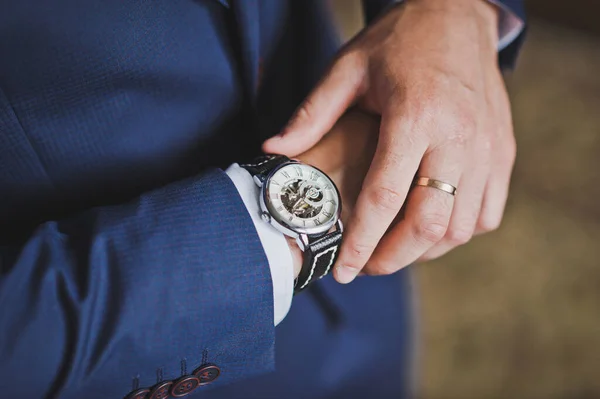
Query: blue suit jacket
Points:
[126, 256]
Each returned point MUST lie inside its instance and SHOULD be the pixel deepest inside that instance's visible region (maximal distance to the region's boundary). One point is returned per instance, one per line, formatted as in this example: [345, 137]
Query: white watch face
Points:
[303, 198]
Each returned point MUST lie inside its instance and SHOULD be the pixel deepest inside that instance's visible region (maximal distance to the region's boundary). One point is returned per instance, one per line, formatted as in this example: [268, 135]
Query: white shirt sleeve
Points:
[274, 243]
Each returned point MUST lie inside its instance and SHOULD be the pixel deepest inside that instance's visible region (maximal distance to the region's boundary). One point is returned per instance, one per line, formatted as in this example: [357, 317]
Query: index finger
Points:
[397, 158]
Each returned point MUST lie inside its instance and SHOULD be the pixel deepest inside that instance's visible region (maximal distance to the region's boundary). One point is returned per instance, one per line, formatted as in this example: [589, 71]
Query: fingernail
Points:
[345, 274]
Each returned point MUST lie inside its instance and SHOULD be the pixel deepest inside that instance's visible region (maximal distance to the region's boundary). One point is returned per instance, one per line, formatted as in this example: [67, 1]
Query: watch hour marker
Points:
[298, 170]
[317, 222]
[314, 175]
[327, 214]
[291, 218]
[280, 208]
[285, 174]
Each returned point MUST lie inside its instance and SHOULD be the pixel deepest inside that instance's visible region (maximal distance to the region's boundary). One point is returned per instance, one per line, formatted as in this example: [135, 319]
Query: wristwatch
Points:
[302, 202]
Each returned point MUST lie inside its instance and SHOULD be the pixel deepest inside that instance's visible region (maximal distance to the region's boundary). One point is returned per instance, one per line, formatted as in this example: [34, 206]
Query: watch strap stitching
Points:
[330, 262]
[314, 265]
[264, 164]
[314, 253]
[267, 159]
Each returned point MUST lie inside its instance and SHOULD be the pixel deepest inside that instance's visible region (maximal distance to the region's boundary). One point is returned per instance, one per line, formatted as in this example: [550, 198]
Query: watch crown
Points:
[266, 217]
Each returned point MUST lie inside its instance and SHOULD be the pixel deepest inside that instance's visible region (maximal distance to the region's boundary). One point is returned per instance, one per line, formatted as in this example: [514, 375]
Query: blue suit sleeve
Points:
[506, 58]
[135, 293]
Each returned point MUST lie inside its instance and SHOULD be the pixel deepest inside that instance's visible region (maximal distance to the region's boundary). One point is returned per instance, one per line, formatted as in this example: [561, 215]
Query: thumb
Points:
[343, 83]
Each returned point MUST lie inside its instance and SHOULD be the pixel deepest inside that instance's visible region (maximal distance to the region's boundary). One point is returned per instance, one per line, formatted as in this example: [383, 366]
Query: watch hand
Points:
[295, 206]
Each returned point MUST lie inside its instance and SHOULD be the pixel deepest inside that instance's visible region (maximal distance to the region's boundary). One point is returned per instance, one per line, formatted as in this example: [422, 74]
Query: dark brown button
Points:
[184, 386]
[207, 373]
[161, 390]
[141, 393]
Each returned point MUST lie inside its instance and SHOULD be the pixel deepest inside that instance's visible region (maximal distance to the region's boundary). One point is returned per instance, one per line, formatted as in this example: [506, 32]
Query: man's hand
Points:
[429, 68]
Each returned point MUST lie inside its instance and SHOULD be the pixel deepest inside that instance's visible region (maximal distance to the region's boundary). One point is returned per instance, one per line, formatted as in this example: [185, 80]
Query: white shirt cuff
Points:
[509, 26]
[274, 243]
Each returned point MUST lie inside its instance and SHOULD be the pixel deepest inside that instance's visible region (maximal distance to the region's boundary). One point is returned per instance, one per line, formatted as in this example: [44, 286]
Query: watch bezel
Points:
[281, 224]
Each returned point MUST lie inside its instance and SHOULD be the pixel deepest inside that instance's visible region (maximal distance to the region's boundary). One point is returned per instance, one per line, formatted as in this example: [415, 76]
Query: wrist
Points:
[487, 14]
[483, 15]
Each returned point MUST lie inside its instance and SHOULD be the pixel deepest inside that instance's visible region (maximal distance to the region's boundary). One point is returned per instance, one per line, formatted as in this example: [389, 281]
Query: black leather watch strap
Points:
[319, 257]
[262, 165]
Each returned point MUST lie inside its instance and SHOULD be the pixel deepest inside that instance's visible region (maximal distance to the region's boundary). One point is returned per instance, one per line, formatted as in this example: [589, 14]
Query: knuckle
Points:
[389, 70]
[426, 257]
[423, 108]
[489, 223]
[392, 159]
[460, 120]
[467, 119]
[458, 138]
[431, 229]
[355, 267]
[486, 145]
[384, 268]
[459, 235]
[386, 199]
[352, 66]
[465, 125]
[359, 251]
[304, 112]
[352, 59]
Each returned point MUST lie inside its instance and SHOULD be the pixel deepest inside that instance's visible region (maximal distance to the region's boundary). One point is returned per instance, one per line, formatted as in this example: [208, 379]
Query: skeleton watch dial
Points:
[302, 197]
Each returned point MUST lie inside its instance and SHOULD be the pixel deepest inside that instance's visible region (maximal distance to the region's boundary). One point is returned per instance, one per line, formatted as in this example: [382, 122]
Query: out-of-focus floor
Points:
[516, 313]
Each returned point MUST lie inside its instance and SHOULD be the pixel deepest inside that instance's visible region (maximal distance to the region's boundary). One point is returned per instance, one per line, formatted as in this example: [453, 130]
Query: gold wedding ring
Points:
[440, 185]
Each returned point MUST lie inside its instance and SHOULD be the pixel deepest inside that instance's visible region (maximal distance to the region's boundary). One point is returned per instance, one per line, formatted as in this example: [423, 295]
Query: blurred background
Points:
[516, 314]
